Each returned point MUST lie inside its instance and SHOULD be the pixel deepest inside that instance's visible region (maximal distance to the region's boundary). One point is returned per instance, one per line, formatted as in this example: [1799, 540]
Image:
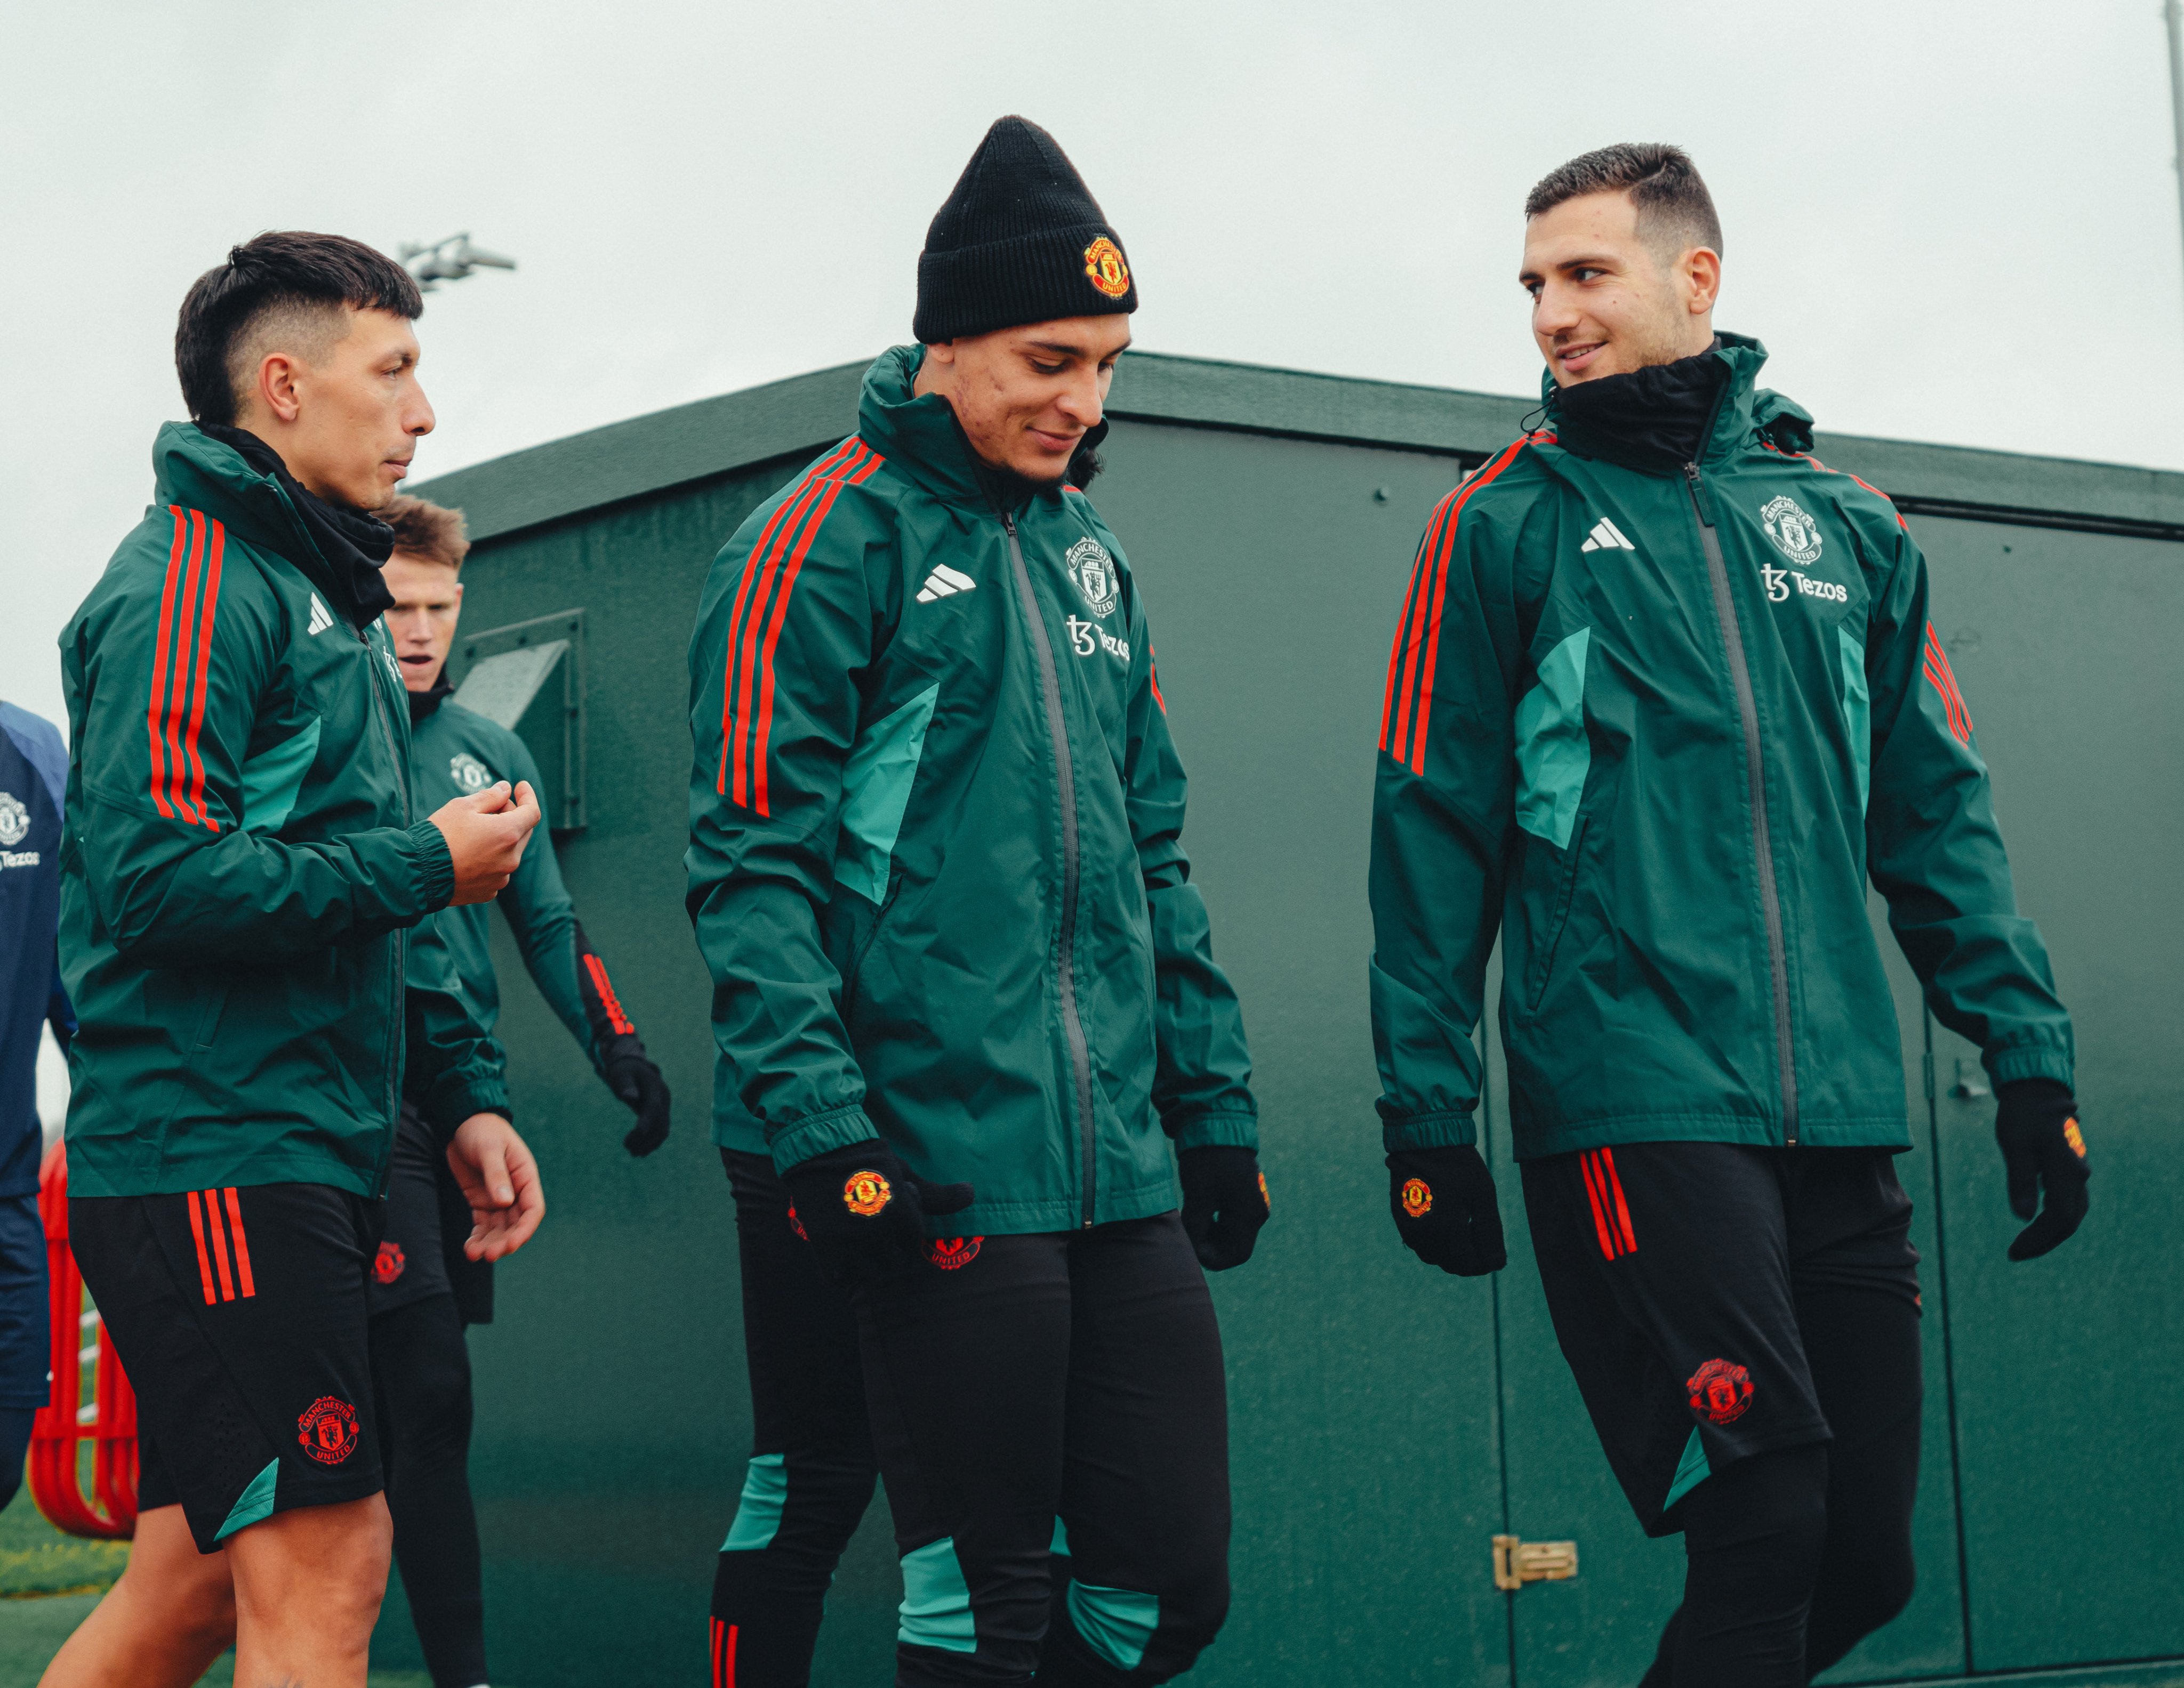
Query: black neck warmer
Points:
[422, 704]
[355, 545]
[1655, 420]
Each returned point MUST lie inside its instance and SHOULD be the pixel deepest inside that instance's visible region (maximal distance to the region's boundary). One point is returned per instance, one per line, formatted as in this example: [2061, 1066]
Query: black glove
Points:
[1443, 1200]
[633, 1075]
[1224, 1203]
[2036, 1121]
[863, 1211]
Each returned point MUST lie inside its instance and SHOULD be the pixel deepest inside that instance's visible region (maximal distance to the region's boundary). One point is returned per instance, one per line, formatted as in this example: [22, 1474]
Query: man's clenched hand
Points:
[486, 832]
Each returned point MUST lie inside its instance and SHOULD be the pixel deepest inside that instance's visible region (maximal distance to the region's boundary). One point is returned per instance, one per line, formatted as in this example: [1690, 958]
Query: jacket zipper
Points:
[398, 1018]
[1747, 710]
[1080, 1051]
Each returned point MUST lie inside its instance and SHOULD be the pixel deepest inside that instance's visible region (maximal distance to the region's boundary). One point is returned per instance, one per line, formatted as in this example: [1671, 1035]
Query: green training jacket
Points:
[241, 859]
[452, 753]
[935, 856]
[1658, 731]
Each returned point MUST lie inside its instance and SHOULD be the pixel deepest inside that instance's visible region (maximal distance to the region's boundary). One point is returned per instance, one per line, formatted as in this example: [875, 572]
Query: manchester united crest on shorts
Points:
[327, 1429]
[1418, 1198]
[1721, 1390]
[864, 1193]
[389, 1264]
[953, 1254]
[1105, 267]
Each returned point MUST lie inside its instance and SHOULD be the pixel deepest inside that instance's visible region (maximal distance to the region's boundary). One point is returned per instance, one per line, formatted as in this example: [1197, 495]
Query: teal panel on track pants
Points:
[1073, 1376]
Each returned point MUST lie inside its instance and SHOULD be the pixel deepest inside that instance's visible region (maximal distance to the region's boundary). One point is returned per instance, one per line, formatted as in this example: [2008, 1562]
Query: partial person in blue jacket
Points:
[33, 775]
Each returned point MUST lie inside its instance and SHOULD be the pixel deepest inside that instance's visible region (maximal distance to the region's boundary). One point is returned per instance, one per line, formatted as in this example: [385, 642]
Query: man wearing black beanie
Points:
[969, 1024]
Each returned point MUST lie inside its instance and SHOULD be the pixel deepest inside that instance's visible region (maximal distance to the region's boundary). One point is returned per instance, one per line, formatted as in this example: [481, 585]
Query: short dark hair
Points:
[279, 280]
[1674, 208]
[427, 531]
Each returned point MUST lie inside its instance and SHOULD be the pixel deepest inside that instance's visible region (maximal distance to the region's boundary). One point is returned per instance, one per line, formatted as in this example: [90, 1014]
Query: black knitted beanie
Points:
[1020, 240]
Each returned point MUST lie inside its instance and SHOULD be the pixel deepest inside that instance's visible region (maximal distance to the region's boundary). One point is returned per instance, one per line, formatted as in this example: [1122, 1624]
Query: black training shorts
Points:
[240, 1316]
[1675, 1273]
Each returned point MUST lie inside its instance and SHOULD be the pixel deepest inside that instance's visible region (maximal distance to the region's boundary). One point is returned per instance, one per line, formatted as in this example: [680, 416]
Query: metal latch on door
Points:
[1517, 1562]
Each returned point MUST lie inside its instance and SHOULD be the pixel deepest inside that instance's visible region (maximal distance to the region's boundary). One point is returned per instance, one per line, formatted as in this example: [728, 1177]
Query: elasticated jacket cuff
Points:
[2032, 1061]
[448, 1107]
[435, 866]
[819, 1134]
[1429, 1131]
[1215, 1131]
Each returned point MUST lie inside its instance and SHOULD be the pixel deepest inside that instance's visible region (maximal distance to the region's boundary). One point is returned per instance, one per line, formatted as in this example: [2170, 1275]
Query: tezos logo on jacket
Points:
[1795, 534]
[1094, 571]
[468, 772]
[14, 819]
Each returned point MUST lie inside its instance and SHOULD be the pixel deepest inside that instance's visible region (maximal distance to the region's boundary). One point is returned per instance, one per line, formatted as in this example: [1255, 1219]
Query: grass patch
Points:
[36, 1560]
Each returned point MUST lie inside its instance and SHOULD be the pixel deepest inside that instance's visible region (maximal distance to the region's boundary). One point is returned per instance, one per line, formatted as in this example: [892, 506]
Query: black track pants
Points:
[1040, 1390]
[812, 1471]
[420, 1373]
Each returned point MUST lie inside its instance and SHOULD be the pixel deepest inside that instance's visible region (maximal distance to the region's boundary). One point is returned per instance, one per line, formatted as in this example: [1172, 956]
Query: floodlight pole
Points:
[2172, 14]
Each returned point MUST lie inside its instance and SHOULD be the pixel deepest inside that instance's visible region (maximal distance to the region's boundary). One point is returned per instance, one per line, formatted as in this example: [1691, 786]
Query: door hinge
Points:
[1517, 1562]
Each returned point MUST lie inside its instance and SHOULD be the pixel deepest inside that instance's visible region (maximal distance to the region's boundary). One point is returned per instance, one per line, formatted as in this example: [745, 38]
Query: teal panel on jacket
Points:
[1554, 755]
[272, 779]
[254, 1504]
[758, 1513]
[1858, 712]
[936, 1600]
[876, 781]
[1692, 1470]
[1116, 1623]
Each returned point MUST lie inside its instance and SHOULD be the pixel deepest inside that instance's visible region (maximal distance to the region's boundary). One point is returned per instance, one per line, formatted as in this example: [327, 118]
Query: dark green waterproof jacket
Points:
[243, 859]
[1658, 731]
[935, 858]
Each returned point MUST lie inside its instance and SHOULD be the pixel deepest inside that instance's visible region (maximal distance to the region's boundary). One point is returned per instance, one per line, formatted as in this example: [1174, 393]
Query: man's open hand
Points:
[500, 1181]
[486, 832]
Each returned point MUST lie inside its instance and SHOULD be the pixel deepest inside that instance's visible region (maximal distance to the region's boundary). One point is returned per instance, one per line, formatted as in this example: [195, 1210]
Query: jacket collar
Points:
[261, 505]
[920, 437]
[1740, 357]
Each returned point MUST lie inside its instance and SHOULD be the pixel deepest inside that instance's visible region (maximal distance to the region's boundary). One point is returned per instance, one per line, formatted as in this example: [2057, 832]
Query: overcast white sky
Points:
[1949, 220]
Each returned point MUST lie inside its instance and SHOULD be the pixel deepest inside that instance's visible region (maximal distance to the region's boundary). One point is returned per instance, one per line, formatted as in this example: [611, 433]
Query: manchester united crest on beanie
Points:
[1021, 239]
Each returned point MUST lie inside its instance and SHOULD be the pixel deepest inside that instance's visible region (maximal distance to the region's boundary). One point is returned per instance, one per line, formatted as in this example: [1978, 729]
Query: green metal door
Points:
[2070, 1370]
[1362, 1406]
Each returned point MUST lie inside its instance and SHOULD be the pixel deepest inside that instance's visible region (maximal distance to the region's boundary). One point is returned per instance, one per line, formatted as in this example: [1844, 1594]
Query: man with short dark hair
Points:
[424, 1289]
[242, 870]
[936, 870]
[1664, 697]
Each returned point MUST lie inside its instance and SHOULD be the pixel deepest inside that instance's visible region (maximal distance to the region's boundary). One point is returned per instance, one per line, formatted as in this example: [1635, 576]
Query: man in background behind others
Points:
[424, 1289]
[241, 871]
[1664, 698]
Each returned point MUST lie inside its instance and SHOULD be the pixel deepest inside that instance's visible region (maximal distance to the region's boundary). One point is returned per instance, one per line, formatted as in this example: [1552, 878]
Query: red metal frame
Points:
[63, 1425]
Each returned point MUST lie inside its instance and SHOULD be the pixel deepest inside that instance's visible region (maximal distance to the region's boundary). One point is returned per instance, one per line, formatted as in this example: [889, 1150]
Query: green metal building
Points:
[1388, 1422]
